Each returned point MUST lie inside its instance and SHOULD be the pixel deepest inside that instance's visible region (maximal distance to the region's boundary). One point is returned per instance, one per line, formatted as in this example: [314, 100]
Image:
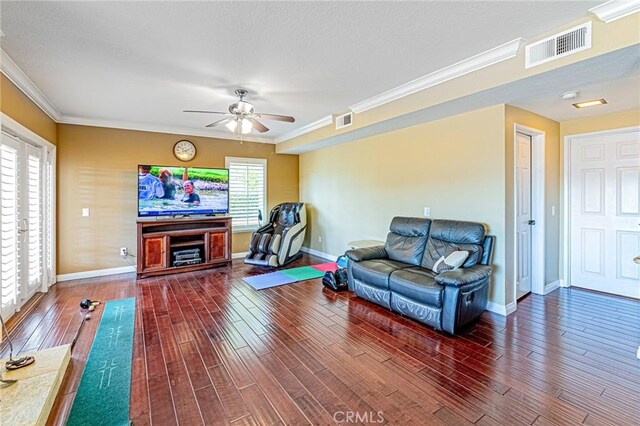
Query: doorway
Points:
[26, 219]
[529, 210]
[602, 190]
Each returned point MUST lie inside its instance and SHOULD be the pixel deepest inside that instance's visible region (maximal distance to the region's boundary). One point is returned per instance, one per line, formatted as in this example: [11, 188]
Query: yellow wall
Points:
[454, 165]
[599, 123]
[552, 191]
[97, 168]
[18, 106]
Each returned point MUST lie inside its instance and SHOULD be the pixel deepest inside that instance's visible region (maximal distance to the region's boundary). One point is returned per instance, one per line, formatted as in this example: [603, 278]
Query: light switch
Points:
[553, 210]
[85, 212]
[427, 211]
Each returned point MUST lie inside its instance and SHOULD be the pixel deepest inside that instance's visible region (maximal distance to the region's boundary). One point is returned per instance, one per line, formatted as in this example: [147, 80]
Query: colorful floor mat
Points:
[105, 387]
[288, 276]
[325, 267]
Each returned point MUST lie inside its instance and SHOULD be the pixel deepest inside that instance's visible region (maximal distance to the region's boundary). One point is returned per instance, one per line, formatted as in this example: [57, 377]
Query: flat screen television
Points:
[173, 191]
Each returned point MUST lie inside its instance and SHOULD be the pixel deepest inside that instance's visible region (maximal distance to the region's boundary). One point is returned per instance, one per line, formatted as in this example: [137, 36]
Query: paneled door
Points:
[523, 214]
[605, 212]
[25, 201]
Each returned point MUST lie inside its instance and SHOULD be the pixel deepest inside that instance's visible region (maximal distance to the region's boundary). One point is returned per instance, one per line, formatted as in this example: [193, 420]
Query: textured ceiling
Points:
[144, 62]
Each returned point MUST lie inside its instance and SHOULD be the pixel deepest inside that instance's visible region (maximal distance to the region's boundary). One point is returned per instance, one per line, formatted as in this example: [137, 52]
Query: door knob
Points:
[532, 222]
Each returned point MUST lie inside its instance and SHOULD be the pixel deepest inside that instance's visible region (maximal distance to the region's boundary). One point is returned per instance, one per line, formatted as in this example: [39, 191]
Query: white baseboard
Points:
[239, 255]
[552, 286]
[503, 310]
[319, 254]
[564, 284]
[95, 273]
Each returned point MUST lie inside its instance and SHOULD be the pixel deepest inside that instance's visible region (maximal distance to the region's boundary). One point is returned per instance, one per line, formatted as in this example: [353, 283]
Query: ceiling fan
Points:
[242, 116]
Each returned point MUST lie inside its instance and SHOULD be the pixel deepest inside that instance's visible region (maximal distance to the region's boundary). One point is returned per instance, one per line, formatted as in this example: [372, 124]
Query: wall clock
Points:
[184, 150]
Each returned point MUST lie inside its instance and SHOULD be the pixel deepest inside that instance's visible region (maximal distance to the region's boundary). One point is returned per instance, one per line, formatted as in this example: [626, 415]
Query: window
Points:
[247, 191]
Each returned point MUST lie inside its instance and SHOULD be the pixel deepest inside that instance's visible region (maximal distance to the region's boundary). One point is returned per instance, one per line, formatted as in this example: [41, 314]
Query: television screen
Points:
[169, 191]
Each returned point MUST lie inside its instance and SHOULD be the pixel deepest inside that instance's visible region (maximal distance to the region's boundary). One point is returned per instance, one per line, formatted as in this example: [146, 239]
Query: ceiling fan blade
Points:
[277, 117]
[204, 112]
[215, 123]
[259, 126]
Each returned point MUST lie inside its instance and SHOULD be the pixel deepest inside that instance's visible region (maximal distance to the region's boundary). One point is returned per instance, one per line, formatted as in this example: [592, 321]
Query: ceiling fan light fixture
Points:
[246, 126]
[232, 125]
[244, 107]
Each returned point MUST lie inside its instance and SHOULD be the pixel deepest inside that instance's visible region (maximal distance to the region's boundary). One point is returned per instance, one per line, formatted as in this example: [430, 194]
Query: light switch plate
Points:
[427, 212]
[85, 211]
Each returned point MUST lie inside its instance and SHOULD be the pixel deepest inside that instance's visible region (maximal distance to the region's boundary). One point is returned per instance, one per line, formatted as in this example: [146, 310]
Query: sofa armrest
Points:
[367, 253]
[464, 276]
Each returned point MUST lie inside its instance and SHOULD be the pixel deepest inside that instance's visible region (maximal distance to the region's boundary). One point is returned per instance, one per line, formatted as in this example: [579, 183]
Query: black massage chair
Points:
[279, 241]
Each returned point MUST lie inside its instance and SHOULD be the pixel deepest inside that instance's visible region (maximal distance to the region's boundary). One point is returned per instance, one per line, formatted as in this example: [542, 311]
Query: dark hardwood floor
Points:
[210, 349]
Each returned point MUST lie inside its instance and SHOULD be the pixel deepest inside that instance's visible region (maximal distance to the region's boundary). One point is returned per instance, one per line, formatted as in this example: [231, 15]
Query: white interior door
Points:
[605, 212]
[523, 214]
[23, 211]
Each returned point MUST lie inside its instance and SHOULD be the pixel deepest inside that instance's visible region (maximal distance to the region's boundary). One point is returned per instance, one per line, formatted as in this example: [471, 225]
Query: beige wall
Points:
[18, 106]
[551, 128]
[600, 123]
[454, 165]
[97, 168]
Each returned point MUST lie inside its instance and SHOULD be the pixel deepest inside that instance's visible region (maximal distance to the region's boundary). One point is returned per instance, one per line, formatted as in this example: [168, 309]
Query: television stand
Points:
[172, 246]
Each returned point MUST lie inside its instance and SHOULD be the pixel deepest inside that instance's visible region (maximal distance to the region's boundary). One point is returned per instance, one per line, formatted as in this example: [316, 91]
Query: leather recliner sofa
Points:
[399, 274]
[279, 241]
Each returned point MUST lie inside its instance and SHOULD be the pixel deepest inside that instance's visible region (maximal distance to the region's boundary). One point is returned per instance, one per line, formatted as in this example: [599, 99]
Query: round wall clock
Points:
[184, 150]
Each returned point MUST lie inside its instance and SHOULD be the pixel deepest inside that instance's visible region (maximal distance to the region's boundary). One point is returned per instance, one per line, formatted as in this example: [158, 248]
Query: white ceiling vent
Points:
[344, 120]
[557, 46]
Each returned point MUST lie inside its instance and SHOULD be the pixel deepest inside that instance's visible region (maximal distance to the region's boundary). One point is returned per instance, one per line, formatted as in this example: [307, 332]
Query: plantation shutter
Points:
[34, 218]
[9, 261]
[49, 218]
[247, 191]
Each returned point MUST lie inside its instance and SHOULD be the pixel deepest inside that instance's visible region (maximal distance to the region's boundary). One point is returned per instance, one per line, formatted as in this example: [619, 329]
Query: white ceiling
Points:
[143, 62]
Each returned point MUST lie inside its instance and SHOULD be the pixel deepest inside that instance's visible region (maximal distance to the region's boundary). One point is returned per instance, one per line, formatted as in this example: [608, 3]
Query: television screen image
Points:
[171, 191]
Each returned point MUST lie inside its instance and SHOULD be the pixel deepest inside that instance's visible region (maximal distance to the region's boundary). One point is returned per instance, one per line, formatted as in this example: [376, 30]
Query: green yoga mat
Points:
[302, 273]
[103, 395]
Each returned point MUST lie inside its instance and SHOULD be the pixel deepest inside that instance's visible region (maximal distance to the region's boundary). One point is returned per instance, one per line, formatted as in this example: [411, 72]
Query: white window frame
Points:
[243, 160]
[17, 130]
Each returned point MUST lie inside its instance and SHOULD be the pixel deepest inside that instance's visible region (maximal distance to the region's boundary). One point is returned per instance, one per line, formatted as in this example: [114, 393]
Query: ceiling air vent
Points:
[557, 46]
[344, 120]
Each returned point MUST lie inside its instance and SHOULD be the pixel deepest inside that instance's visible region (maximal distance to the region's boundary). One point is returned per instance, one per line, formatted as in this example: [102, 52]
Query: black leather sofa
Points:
[398, 275]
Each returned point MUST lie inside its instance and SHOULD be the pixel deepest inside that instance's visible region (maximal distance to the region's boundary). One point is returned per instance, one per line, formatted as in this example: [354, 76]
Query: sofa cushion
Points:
[417, 284]
[450, 235]
[406, 241]
[376, 272]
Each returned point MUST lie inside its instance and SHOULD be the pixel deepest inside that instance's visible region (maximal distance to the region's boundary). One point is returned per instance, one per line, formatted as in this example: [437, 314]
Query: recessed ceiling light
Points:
[591, 103]
[570, 95]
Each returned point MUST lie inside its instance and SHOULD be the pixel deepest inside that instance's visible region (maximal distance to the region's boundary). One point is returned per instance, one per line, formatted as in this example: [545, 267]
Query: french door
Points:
[26, 221]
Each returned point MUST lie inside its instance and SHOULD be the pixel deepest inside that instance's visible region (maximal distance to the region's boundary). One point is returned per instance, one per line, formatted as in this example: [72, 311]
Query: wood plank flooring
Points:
[208, 349]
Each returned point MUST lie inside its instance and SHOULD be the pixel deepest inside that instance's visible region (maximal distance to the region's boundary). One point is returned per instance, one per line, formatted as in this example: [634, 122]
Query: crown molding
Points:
[324, 121]
[474, 63]
[615, 9]
[146, 127]
[13, 72]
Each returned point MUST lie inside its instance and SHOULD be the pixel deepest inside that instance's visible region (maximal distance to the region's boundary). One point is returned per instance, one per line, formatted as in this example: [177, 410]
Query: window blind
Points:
[247, 191]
